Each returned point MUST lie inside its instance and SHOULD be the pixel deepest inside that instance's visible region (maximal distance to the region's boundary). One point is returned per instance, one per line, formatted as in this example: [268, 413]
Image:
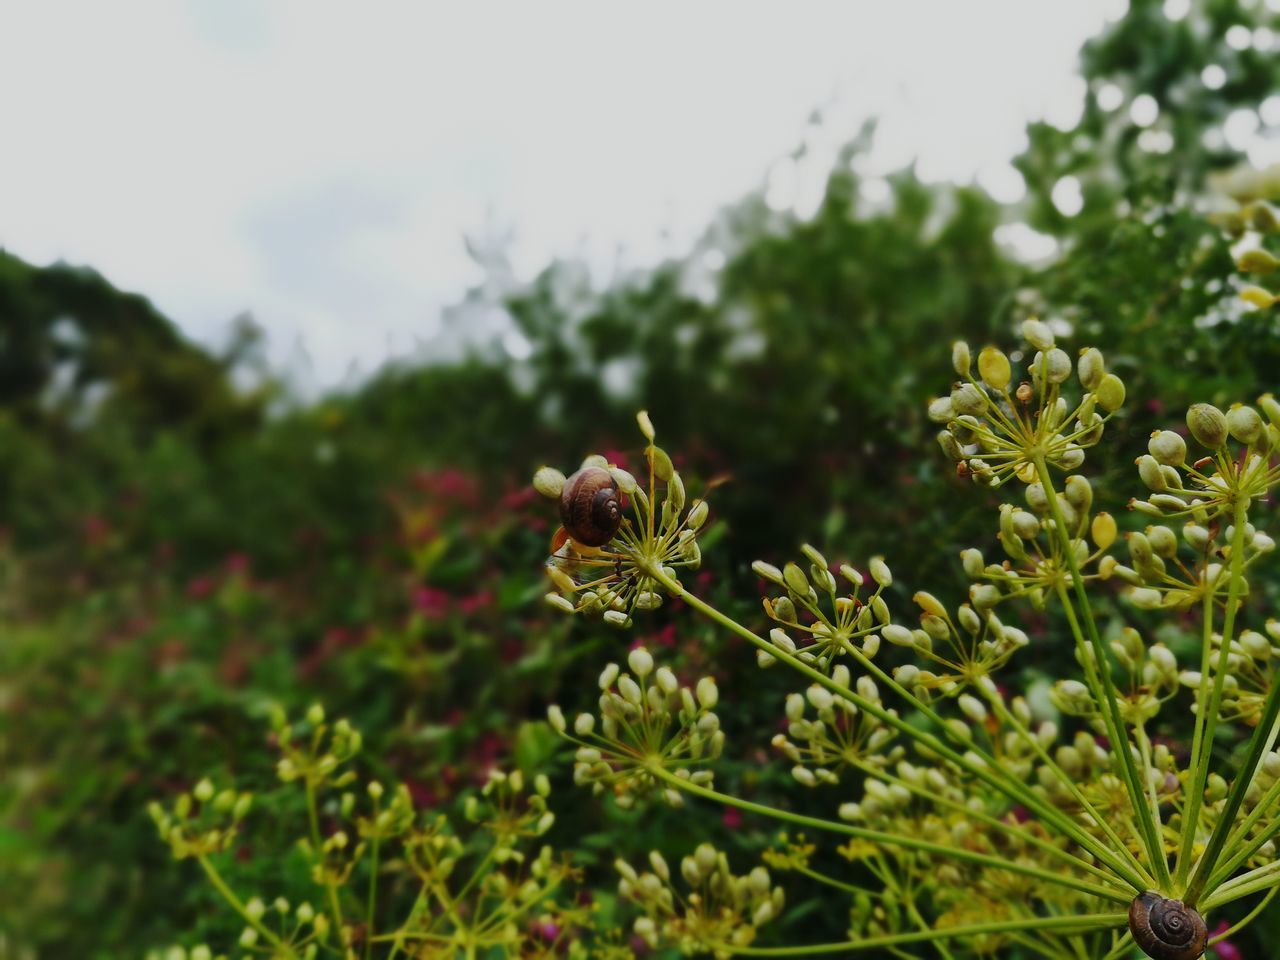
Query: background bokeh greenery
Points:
[179, 549]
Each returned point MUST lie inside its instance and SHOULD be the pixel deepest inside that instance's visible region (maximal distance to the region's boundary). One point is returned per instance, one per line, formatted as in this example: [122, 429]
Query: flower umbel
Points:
[604, 559]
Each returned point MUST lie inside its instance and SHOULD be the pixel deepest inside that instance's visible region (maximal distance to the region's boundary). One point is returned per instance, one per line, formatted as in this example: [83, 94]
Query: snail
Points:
[590, 507]
[1167, 929]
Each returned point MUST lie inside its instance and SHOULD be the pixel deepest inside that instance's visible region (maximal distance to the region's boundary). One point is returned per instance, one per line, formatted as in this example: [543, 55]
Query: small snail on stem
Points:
[1167, 929]
[590, 506]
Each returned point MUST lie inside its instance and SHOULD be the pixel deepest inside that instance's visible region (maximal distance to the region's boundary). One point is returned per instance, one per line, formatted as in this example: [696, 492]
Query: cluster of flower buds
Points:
[1251, 672]
[202, 821]
[315, 751]
[1250, 226]
[647, 721]
[487, 903]
[388, 817]
[1153, 671]
[996, 431]
[827, 613]
[509, 811]
[1036, 563]
[1204, 488]
[956, 652]
[837, 736]
[720, 912]
[619, 540]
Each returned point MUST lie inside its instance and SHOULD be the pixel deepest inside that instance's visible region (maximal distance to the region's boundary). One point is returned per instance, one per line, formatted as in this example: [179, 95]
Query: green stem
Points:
[318, 849]
[238, 906]
[1227, 819]
[373, 893]
[889, 839]
[1199, 770]
[1237, 842]
[1251, 916]
[1007, 785]
[1072, 787]
[1082, 923]
[1148, 828]
[1208, 859]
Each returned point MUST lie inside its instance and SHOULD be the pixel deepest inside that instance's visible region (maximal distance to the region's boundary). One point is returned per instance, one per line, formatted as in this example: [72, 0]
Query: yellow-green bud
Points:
[994, 368]
[1038, 334]
[1057, 365]
[1110, 393]
[1091, 368]
[1257, 261]
[1245, 424]
[1258, 297]
[1168, 448]
[880, 572]
[549, 482]
[1207, 424]
[960, 358]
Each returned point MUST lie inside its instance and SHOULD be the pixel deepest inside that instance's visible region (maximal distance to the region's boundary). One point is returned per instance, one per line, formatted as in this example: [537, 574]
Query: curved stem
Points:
[1114, 894]
[1249, 917]
[1083, 923]
[986, 770]
[1148, 828]
[238, 906]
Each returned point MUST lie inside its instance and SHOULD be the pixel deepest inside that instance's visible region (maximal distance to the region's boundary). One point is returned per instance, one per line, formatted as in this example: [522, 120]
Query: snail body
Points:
[1167, 929]
[590, 506]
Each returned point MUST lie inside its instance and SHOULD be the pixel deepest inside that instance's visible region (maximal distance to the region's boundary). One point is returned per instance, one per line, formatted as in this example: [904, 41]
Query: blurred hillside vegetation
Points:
[184, 542]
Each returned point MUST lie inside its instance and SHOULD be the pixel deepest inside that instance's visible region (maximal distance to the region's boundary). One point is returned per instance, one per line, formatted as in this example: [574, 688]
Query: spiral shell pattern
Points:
[590, 508]
[1167, 929]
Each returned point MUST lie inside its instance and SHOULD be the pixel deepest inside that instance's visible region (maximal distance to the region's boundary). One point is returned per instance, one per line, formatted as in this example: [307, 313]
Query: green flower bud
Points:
[972, 562]
[1150, 473]
[1057, 366]
[1091, 368]
[1110, 393]
[941, 410]
[1263, 217]
[1245, 424]
[549, 482]
[968, 399]
[795, 579]
[1256, 261]
[640, 661]
[645, 424]
[1037, 334]
[1079, 493]
[994, 368]
[767, 571]
[960, 358]
[880, 572]
[1103, 530]
[1208, 425]
[698, 515]
[950, 445]
[1168, 448]
[1258, 297]
[1163, 541]
[559, 602]
[898, 635]
[708, 694]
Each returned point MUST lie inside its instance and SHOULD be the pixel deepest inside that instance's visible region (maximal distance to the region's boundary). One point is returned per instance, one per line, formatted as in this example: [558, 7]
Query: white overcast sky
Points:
[319, 164]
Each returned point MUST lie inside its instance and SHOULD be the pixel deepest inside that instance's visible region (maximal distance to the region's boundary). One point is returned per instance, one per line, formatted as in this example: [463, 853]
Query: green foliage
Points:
[183, 542]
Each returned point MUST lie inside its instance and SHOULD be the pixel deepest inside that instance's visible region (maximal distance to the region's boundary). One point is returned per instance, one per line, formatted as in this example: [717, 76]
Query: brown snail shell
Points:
[1167, 929]
[590, 506]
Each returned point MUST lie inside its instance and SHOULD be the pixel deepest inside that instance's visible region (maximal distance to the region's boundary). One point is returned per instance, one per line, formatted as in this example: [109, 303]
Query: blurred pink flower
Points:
[1226, 950]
